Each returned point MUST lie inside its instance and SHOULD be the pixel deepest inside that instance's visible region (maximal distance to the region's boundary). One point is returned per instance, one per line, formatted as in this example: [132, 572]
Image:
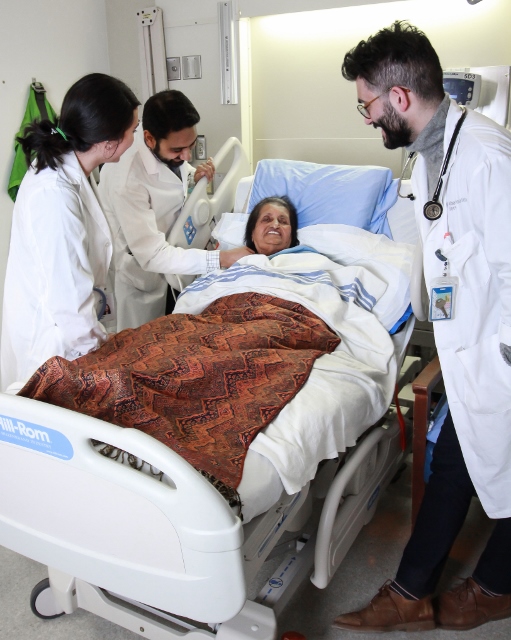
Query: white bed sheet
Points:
[286, 454]
[348, 390]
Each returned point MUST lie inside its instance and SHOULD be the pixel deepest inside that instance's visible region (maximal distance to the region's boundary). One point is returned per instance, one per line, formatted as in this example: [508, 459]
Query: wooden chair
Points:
[423, 387]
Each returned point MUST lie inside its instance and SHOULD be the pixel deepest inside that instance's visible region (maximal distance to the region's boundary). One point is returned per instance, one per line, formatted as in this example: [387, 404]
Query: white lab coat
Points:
[476, 198]
[60, 249]
[142, 199]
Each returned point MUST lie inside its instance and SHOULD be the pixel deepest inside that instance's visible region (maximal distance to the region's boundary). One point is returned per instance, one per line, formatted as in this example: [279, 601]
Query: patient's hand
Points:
[228, 258]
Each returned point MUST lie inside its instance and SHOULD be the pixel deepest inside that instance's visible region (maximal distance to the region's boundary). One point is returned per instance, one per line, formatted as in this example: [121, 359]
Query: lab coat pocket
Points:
[469, 261]
[130, 272]
[487, 377]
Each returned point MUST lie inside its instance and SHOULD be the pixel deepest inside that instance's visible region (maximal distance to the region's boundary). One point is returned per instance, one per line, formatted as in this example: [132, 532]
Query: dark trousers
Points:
[171, 300]
[442, 513]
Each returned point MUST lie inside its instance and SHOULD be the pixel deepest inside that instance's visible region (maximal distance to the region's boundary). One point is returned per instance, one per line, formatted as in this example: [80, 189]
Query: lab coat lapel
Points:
[87, 190]
[420, 190]
[90, 199]
[149, 160]
[453, 115]
[153, 166]
[420, 177]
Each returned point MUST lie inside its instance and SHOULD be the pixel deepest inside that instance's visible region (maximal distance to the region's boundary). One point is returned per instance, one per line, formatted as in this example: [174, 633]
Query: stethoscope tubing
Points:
[433, 209]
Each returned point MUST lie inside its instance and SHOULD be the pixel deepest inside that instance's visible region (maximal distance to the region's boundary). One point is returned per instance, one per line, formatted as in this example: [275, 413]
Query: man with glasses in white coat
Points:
[462, 187]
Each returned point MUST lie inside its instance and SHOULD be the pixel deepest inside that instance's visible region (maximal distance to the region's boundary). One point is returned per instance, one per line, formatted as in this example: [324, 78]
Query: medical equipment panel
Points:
[464, 87]
[492, 100]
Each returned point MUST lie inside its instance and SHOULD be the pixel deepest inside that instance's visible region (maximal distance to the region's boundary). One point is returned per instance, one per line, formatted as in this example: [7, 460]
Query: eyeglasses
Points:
[363, 108]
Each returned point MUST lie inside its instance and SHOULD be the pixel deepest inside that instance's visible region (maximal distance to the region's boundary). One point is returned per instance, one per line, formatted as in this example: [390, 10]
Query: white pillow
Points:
[230, 231]
[340, 242]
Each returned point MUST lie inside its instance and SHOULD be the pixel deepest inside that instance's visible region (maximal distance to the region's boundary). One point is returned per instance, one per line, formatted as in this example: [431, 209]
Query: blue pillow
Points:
[329, 194]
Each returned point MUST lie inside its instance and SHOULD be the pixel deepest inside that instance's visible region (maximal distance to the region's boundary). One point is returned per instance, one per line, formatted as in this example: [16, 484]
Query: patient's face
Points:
[272, 232]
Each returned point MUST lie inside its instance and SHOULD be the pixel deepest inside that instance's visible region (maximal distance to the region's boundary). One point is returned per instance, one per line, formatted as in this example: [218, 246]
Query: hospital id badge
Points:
[442, 298]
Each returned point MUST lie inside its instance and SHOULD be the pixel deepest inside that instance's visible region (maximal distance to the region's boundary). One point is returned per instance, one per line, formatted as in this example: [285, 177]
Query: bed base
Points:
[349, 504]
[65, 594]
[215, 557]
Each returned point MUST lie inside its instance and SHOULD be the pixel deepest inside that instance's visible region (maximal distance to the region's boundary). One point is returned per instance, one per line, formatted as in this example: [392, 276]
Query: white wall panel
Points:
[122, 29]
[218, 121]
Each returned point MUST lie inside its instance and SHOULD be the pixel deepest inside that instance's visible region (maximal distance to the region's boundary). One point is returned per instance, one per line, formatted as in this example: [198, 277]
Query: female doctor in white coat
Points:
[56, 295]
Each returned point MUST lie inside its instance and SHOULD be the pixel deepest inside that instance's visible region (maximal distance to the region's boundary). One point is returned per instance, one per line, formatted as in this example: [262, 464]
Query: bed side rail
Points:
[192, 228]
[175, 547]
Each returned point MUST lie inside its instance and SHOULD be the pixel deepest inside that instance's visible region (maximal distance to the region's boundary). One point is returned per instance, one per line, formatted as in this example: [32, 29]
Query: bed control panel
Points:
[189, 230]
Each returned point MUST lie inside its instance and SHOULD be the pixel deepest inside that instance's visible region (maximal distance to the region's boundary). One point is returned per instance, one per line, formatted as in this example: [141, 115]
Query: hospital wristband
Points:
[212, 260]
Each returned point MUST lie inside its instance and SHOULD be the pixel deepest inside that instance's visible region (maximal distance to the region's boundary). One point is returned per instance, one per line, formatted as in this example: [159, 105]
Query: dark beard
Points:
[397, 132]
[171, 164]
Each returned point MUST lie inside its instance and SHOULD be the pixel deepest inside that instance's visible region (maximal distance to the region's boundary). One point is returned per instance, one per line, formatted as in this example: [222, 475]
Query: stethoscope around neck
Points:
[433, 209]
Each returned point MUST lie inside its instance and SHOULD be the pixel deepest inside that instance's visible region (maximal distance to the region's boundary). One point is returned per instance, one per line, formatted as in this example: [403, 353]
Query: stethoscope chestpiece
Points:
[432, 210]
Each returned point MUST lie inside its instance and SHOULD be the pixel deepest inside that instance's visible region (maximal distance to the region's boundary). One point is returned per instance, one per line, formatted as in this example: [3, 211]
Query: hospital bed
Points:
[171, 560]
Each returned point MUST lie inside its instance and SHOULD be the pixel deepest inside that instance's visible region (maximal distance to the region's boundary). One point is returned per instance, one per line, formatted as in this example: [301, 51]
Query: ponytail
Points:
[44, 142]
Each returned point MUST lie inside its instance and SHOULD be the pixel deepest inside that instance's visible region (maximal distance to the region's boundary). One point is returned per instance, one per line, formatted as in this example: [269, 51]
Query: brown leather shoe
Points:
[466, 607]
[388, 611]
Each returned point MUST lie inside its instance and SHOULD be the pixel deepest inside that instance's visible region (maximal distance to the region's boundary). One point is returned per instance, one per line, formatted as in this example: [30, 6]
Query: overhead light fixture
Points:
[152, 51]
[228, 52]
[473, 1]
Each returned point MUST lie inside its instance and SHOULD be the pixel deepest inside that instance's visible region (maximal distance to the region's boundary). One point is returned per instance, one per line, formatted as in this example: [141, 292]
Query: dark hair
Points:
[168, 111]
[96, 108]
[400, 55]
[281, 201]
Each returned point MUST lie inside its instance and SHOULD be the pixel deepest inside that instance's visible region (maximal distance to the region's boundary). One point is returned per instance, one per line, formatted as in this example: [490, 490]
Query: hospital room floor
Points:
[372, 559]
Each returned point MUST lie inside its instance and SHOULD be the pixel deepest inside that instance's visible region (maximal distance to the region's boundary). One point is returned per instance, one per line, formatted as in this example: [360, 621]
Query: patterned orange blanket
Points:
[204, 385]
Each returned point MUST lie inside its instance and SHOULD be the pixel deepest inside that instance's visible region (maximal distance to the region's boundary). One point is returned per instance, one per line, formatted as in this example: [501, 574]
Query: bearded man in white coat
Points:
[462, 187]
[142, 197]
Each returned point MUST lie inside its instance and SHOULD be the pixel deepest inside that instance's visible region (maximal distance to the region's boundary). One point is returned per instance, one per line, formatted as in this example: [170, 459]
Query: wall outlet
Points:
[200, 148]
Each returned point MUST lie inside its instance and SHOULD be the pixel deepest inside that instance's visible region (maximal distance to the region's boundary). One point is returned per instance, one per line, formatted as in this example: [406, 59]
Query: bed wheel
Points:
[42, 603]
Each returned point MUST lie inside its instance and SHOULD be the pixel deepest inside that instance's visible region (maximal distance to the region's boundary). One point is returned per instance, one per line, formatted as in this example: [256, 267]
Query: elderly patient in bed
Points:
[204, 382]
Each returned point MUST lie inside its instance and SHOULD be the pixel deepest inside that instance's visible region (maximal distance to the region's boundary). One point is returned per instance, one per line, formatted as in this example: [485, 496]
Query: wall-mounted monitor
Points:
[464, 87]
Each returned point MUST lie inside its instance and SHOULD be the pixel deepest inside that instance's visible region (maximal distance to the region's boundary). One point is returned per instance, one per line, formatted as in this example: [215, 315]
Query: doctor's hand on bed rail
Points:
[205, 169]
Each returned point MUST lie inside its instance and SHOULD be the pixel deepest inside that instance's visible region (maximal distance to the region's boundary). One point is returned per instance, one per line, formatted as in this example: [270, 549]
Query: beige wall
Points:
[218, 121]
[122, 32]
[300, 105]
[304, 109]
[191, 29]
